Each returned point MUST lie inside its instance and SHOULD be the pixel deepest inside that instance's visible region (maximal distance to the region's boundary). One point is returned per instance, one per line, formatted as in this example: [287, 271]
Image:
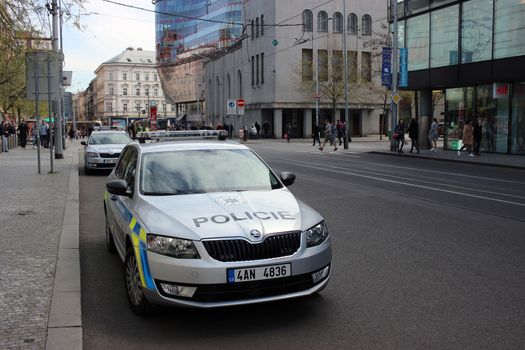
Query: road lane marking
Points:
[324, 168]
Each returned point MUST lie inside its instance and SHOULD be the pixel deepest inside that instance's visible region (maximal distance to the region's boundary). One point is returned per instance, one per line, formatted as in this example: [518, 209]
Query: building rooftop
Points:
[134, 56]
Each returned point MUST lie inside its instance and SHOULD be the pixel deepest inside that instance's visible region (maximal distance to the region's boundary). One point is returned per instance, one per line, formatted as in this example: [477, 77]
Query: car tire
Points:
[137, 301]
[110, 242]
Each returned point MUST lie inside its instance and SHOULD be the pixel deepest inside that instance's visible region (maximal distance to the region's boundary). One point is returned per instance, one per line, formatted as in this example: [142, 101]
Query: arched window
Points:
[338, 22]
[257, 27]
[253, 30]
[262, 25]
[322, 22]
[239, 78]
[366, 25]
[308, 21]
[352, 23]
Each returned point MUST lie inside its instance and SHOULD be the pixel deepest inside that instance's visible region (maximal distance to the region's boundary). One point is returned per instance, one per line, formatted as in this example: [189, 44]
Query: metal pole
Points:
[37, 115]
[58, 134]
[316, 81]
[51, 141]
[345, 55]
[395, 64]
[64, 121]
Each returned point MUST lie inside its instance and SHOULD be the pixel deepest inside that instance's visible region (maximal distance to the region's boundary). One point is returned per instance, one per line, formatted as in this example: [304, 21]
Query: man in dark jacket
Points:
[478, 134]
[23, 130]
[3, 145]
[413, 130]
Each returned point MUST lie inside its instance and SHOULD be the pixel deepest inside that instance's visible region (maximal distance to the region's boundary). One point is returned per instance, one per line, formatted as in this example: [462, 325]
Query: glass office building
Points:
[186, 25]
[474, 51]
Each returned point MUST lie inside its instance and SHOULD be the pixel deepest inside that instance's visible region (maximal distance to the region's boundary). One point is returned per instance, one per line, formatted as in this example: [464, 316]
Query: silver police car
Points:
[103, 149]
[209, 224]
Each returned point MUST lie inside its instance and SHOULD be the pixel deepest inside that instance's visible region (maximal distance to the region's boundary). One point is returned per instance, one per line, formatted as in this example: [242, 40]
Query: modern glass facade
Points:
[186, 25]
[473, 50]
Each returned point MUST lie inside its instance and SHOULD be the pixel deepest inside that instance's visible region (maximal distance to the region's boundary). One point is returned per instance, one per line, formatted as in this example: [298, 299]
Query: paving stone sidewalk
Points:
[31, 214]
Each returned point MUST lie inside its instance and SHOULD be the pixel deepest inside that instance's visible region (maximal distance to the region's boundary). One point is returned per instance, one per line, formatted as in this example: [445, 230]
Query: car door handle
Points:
[113, 197]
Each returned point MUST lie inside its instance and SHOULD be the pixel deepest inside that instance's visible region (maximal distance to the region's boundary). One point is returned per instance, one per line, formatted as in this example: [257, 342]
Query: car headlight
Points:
[174, 247]
[92, 154]
[316, 235]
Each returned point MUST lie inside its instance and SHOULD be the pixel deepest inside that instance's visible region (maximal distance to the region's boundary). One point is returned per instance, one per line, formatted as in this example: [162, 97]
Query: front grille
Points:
[109, 155]
[273, 246]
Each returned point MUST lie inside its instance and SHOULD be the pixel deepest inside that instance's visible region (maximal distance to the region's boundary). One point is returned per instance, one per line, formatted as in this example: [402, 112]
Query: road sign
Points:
[241, 102]
[231, 107]
[316, 95]
[42, 66]
[396, 98]
[386, 68]
[275, 42]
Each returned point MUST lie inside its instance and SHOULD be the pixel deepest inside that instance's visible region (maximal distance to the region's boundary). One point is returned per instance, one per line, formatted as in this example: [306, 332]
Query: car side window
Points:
[129, 174]
[123, 163]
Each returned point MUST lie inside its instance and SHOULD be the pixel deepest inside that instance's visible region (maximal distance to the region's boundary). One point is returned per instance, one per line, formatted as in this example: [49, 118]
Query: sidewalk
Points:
[40, 275]
[372, 144]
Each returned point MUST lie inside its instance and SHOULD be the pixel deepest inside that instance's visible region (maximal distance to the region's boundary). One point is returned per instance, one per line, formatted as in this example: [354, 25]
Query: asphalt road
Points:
[427, 255]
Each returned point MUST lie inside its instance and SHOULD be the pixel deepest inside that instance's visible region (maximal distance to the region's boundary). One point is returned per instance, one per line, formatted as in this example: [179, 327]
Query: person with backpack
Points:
[399, 135]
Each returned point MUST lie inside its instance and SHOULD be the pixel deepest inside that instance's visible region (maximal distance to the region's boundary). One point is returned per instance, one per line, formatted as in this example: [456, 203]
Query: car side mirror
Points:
[287, 178]
[83, 143]
[118, 187]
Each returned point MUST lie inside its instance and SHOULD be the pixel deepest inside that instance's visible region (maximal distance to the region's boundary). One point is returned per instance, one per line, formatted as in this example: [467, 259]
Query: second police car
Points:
[209, 224]
[103, 148]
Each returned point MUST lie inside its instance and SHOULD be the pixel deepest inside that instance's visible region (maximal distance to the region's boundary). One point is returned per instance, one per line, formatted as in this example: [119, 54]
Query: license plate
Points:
[259, 273]
[110, 161]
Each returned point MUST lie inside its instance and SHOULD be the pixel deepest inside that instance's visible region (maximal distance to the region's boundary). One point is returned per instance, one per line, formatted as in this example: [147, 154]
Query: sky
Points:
[110, 29]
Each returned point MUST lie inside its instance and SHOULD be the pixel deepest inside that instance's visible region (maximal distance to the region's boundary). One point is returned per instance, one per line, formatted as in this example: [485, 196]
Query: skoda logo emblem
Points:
[256, 235]
[111, 151]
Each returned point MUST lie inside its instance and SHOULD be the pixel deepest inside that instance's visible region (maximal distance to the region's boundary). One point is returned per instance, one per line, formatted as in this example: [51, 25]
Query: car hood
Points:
[107, 148]
[226, 214]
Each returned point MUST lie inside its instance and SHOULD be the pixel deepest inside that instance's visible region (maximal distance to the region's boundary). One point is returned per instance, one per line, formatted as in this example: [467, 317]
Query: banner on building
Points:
[386, 68]
[403, 67]
[153, 118]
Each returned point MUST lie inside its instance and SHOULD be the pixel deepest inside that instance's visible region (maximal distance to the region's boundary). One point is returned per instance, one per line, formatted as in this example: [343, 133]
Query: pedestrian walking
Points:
[478, 135]
[258, 128]
[288, 132]
[328, 137]
[3, 130]
[23, 131]
[42, 129]
[399, 135]
[413, 133]
[265, 128]
[34, 135]
[340, 131]
[433, 135]
[468, 139]
[315, 134]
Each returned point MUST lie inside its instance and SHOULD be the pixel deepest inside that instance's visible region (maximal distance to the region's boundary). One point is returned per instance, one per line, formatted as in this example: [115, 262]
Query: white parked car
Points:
[103, 149]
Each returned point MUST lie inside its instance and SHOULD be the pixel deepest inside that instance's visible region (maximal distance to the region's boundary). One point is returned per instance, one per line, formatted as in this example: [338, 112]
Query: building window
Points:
[146, 91]
[366, 66]
[253, 70]
[257, 70]
[322, 21]
[172, 107]
[137, 107]
[253, 29]
[262, 68]
[308, 21]
[262, 25]
[307, 64]
[110, 75]
[417, 37]
[137, 76]
[338, 22]
[337, 64]
[125, 91]
[146, 77]
[111, 91]
[257, 27]
[155, 77]
[352, 23]
[476, 31]
[125, 107]
[137, 92]
[155, 92]
[352, 66]
[366, 25]
[109, 107]
[124, 76]
[509, 28]
[164, 107]
[322, 62]
[518, 118]
[444, 37]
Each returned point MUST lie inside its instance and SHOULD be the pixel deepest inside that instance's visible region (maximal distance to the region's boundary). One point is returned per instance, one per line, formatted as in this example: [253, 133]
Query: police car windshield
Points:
[107, 138]
[204, 171]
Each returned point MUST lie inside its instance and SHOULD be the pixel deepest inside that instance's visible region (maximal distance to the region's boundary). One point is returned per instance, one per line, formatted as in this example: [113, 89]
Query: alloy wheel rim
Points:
[132, 281]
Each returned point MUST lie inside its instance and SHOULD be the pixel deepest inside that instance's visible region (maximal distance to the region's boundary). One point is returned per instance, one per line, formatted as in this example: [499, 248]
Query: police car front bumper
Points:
[207, 282]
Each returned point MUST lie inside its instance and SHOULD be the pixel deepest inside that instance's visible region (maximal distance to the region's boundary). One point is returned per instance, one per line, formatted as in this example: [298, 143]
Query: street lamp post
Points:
[345, 54]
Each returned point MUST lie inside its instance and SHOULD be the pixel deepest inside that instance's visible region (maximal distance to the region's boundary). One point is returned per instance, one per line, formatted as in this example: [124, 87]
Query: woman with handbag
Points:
[399, 135]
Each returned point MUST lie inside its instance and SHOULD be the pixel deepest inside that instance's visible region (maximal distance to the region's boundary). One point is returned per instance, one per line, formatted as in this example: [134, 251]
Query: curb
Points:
[64, 328]
[497, 165]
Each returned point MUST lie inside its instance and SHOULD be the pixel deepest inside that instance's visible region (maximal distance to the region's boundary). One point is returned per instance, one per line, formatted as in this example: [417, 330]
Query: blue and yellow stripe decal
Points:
[138, 238]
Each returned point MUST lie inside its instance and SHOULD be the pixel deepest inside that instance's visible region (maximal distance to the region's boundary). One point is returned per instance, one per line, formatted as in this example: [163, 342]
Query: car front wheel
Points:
[137, 302]
[110, 243]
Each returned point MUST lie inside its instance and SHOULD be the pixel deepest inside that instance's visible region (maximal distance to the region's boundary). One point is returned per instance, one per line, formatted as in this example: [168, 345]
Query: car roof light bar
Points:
[162, 135]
